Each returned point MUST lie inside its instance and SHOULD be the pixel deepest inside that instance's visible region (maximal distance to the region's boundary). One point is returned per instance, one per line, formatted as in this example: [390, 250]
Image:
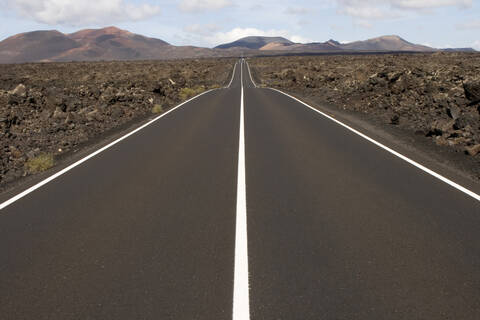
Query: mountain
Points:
[333, 43]
[91, 45]
[112, 43]
[459, 50]
[385, 43]
[35, 46]
[380, 44]
[254, 42]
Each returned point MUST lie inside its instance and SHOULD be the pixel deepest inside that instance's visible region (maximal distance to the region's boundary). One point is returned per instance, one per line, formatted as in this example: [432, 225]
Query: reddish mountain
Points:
[115, 44]
[112, 44]
[89, 45]
[35, 46]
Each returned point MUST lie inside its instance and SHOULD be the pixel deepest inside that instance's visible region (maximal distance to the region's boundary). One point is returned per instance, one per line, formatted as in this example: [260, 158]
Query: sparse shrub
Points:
[157, 109]
[186, 93]
[40, 163]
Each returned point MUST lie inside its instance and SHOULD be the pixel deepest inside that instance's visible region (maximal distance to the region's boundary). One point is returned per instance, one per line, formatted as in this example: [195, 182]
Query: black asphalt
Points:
[337, 227]
[144, 230]
[341, 229]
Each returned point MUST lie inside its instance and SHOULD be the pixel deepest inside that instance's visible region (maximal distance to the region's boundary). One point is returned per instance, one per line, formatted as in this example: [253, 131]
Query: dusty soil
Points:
[58, 108]
[433, 96]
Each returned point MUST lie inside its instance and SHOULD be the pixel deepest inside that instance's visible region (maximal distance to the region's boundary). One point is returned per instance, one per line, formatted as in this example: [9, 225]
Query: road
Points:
[300, 217]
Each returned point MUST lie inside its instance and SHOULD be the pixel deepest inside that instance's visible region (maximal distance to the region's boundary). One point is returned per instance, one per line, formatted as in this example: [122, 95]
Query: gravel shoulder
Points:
[63, 111]
[433, 118]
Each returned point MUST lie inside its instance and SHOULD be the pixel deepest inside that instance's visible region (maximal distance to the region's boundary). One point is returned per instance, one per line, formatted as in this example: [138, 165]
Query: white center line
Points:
[241, 303]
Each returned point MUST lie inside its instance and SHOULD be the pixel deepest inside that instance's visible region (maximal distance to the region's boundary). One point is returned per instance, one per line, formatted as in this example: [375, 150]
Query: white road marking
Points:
[251, 79]
[399, 155]
[70, 167]
[241, 303]
[233, 75]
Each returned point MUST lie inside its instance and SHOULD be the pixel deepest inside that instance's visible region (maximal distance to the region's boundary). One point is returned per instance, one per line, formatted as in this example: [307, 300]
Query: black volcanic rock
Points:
[472, 91]
[57, 108]
[433, 95]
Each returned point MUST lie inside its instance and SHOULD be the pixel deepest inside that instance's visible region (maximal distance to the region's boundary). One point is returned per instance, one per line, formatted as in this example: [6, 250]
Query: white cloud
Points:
[363, 24]
[203, 5]
[476, 45]
[430, 4]
[201, 29]
[218, 38]
[474, 24]
[364, 11]
[83, 12]
[386, 9]
[297, 11]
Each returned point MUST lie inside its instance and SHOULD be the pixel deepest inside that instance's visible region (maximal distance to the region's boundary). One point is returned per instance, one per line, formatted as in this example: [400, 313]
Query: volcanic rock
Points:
[47, 107]
[473, 150]
[20, 90]
[454, 112]
[426, 94]
[472, 91]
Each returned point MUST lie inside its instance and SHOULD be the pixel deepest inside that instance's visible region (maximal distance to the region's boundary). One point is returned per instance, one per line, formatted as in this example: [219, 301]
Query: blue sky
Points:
[438, 23]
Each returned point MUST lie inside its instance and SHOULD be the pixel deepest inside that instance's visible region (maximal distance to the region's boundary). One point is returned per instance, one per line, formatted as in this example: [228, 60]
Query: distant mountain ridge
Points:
[35, 46]
[254, 42]
[112, 43]
[384, 43]
[108, 43]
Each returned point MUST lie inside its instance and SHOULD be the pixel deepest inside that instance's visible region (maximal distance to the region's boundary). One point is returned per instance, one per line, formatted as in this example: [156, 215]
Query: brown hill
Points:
[277, 46]
[385, 43]
[254, 42]
[380, 44]
[112, 44]
[92, 45]
[35, 46]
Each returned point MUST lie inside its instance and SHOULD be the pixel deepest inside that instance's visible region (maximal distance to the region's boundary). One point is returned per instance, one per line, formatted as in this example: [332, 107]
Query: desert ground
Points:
[433, 97]
[51, 110]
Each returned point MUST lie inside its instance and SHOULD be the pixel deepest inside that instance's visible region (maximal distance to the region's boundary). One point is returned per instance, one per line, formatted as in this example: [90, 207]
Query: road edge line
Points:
[233, 75]
[241, 300]
[91, 155]
[395, 153]
[251, 79]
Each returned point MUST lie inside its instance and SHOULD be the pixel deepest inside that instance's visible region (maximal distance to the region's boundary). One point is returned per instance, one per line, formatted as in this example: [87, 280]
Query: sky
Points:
[207, 23]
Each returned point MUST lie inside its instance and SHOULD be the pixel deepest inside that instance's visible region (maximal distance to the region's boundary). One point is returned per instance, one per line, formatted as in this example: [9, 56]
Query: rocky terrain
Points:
[49, 110]
[432, 95]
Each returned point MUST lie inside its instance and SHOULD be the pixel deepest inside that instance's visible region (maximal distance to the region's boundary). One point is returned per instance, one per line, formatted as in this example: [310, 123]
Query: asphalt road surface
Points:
[338, 228]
